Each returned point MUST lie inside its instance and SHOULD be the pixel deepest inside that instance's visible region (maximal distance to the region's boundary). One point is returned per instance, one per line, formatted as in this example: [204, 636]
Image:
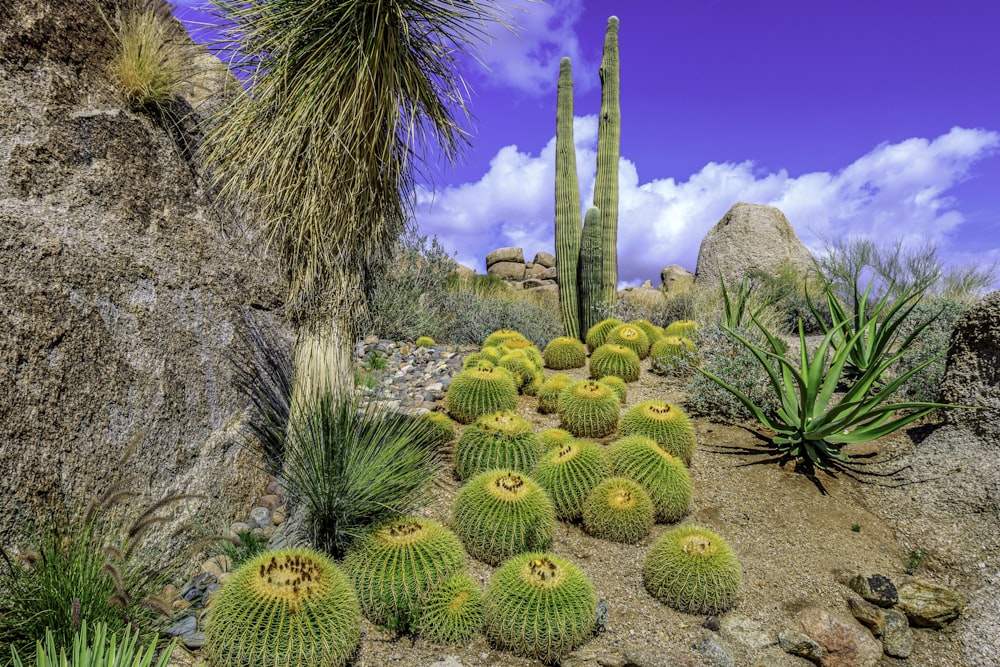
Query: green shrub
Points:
[693, 570]
[568, 473]
[501, 513]
[662, 474]
[452, 611]
[500, 440]
[98, 650]
[283, 609]
[539, 606]
[88, 564]
[396, 563]
[354, 465]
[618, 509]
[925, 384]
[724, 357]
[483, 286]
[469, 319]
[563, 352]
[589, 409]
[481, 391]
[616, 360]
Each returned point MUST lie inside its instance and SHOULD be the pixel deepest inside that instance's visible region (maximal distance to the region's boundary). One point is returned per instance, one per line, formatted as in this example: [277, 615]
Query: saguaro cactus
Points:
[608, 150]
[591, 253]
[568, 220]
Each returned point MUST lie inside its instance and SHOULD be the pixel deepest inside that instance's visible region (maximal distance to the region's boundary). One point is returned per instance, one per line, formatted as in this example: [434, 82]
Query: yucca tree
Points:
[344, 101]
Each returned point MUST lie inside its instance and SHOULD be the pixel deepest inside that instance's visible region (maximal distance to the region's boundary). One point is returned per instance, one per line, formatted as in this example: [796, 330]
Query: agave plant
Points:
[810, 426]
[105, 649]
[876, 328]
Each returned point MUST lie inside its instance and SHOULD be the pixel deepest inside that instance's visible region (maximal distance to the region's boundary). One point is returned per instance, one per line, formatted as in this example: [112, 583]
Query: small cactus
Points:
[539, 606]
[452, 611]
[284, 609]
[520, 366]
[618, 509]
[396, 563]
[424, 341]
[501, 513]
[548, 392]
[681, 328]
[665, 423]
[525, 346]
[475, 360]
[491, 353]
[589, 409]
[653, 332]
[617, 385]
[617, 360]
[564, 352]
[533, 386]
[693, 570]
[553, 437]
[597, 333]
[663, 475]
[500, 440]
[568, 473]
[480, 391]
[671, 353]
[502, 336]
[442, 430]
[632, 337]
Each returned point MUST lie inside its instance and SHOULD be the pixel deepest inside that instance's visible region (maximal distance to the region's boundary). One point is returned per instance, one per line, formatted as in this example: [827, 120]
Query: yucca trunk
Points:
[323, 362]
[591, 252]
[568, 219]
[608, 150]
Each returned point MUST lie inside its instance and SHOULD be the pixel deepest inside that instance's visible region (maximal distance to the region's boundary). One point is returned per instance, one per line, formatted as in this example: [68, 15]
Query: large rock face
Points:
[972, 372]
[121, 298]
[750, 237]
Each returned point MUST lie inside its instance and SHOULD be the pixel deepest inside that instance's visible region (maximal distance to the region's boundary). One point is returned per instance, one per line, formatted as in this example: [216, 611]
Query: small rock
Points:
[870, 615]
[239, 527]
[184, 626]
[714, 650]
[278, 516]
[446, 661]
[746, 631]
[216, 565]
[928, 605]
[193, 640]
[261, 516]
[711, 623]
[799, 644]
[897, 640]
[845, 643]
[611, 661]
[270, 501]
[654, 657]
[876, 588]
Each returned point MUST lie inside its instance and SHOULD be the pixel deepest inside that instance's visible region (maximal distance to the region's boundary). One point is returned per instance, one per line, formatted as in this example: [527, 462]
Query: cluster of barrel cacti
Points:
[587, 248]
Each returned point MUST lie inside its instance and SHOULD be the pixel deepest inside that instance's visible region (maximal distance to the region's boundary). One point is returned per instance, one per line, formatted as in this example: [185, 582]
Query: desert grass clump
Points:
[667, 424]
[352, 465]
[599, 332]
[481, 391]
[469, 318]
[632, 337]
[548, 392]
[452, 611]
[693, 570]
[500, 440]
[589, 409]
[284, 608]
[618, 509]
[662, 474]
[673, 355]
[617, 385]
[564, 352]
[539, 606]
[501, 513]
[617, 360]
[568, 473]
[395, 564]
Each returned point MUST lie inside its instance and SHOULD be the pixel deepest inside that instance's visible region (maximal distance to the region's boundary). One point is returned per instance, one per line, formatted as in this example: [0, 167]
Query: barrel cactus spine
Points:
[501, 513]
[569, 472]
[618, 509]
[441, 428]
[667, 424]
[617, 360]
[500, 440]
[663, 475]
[653, 332]
[452, 611]
[284, 608]
[525, 346]
[480, 391]
[520, 366]
[563, 353]
[539, 606]
[694, 570]
[631, 337]
[599, 331]
[589, 409]
[393, 565]
[548, 393]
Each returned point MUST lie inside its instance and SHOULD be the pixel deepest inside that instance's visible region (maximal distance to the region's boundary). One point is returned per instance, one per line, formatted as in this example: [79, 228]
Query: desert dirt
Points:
[795, 543]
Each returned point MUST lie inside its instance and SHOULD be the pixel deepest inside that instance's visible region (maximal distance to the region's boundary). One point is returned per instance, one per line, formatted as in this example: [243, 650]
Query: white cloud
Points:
[527, 57]
[895, 191]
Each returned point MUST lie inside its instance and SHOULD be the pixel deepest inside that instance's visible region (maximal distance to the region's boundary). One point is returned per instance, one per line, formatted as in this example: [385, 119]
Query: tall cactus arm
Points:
[568, 219]
[608, 150]
[591, 254]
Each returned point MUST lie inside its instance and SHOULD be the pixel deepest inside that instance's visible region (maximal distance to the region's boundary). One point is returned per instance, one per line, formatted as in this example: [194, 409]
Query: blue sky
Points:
[854, 118]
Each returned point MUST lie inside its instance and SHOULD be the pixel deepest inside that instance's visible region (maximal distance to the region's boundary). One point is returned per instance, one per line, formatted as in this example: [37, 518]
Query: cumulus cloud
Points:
[895, 191]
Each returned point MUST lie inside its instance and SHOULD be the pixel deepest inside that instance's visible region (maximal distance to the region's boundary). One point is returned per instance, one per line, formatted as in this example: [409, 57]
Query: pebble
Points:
[414, 379]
